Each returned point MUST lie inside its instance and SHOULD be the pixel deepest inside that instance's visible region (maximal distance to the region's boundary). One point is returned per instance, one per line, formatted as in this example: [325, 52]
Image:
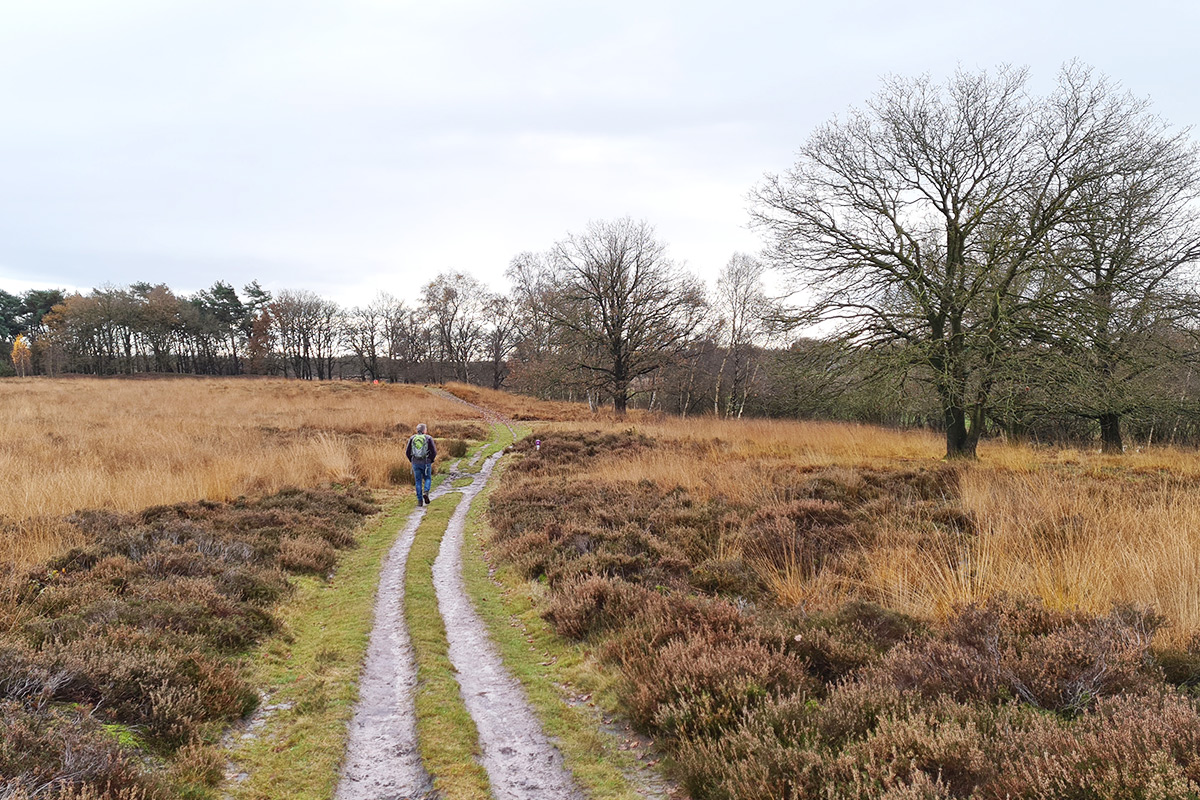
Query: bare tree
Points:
[455, 304]
[366, 334]
[296, 315]
[543, 363]
[1121, 285]
[500, 334]
[410, 341]
[923, 220]
[743, 309]
[623, 308]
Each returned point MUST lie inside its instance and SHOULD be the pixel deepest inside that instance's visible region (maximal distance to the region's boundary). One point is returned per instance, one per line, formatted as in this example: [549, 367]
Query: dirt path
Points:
[520, 761]
[382, 761]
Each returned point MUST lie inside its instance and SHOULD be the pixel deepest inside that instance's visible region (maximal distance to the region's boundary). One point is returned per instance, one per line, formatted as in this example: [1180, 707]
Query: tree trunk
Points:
[717, 393]
[1110, 433]
[960, 442]
[620, 401]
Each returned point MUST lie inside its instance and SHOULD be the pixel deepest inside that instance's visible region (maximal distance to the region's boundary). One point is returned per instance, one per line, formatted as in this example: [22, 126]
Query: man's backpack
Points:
[420, 446]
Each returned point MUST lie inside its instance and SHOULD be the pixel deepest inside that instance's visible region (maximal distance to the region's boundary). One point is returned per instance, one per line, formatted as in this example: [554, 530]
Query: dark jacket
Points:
[431, 453]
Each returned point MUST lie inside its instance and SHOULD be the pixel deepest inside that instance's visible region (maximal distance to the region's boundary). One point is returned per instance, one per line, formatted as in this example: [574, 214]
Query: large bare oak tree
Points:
[923, 221]
[622, 308]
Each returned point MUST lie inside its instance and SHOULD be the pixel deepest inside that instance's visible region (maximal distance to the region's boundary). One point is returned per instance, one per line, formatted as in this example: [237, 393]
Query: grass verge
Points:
[310, 674]
[502, 436]
[542, 661]
[446, 734]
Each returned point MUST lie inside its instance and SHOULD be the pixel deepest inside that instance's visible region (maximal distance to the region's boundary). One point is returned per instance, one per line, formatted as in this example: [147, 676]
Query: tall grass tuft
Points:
[123, 445]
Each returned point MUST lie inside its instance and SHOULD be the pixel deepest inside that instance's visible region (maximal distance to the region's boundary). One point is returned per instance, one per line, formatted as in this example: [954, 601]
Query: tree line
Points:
[603, 316]
[966, 256]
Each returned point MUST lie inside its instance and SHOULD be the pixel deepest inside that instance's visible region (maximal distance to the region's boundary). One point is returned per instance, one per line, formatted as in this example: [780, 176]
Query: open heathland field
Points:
[786, 609]
[819, 610]
[125, 445]
[149, 531]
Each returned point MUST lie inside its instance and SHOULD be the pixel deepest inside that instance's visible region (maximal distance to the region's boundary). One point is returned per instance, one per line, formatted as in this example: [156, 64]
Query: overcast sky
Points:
[352, 146]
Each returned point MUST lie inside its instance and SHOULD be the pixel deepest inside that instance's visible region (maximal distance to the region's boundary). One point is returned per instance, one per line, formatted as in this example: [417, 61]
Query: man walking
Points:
[421, 452]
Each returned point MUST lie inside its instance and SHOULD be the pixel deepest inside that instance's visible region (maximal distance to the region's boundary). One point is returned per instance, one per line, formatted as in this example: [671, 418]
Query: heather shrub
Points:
[529, 552]
[48, 751]
[307, 554]
[867, 741]
[727, 576]
[836, 644]
[693, 664]
[854, 709]
[771, 753]
[1180, 664]
[595, 528]
[753, 699]
[256, 584]
[140, 628]
[84, 792]
[704, 684]
[938, 742]
[586, 606]
[1144, 746]
[1009, 649]
[457, 430]
[561, 449]
[454, 448]
[137, 678]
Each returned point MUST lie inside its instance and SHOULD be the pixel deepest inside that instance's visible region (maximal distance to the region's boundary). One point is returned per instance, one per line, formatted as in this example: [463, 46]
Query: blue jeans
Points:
[423, 478]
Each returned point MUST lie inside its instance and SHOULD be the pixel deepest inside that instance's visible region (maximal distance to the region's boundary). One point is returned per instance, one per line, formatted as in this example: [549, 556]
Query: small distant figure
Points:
[421, 451]
[537, 444]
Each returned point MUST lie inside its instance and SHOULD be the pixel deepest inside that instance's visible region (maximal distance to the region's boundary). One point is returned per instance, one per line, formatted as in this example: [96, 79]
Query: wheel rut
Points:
[521, 762]
[382, 761]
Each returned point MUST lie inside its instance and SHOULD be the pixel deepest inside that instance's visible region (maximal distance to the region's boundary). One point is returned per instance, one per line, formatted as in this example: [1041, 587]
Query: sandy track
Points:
[382, 761]
[520, 761]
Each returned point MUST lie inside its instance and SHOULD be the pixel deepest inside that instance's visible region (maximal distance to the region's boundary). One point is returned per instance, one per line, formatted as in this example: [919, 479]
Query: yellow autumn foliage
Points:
[22, 355]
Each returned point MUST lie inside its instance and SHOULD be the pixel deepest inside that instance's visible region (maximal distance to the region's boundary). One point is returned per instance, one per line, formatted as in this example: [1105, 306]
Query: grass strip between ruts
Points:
[310, 673]
[502, 436]
[446, 734]
[543, 661]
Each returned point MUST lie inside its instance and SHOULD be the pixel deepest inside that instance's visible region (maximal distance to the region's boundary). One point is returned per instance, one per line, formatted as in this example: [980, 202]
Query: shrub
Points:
[400, 474]
[1005, 698]
[459, 430]
[585, 606]
[37, 741]
[1017, 649]
[307, 554]
[135, 630]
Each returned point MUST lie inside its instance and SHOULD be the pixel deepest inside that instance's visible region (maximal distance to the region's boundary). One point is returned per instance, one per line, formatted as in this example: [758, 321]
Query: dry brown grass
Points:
[125, 445]
[1078, 529]
[745, 462]
[521, 407]
[1075, 539]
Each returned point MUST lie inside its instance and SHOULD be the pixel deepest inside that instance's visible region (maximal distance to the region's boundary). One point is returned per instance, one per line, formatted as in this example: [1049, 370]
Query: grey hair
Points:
[421, 427]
